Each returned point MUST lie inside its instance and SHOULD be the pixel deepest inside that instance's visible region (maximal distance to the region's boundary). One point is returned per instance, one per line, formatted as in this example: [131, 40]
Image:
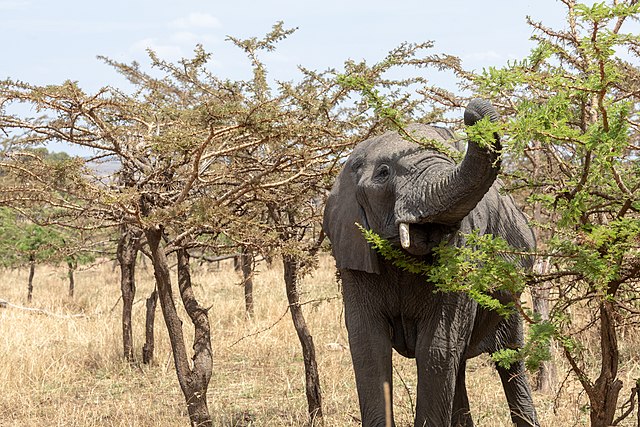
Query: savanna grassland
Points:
[64, 367]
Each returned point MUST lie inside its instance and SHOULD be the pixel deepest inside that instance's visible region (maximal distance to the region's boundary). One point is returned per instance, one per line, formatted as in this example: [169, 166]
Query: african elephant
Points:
[416, 198]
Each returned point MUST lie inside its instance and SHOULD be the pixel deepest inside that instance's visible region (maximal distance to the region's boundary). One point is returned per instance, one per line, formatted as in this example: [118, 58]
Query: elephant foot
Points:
[462, 418]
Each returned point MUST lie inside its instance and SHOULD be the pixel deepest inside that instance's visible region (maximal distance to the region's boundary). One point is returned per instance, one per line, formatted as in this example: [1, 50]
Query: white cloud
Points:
[188, 32]
[174, 46]
[196, 20]
[165, 51]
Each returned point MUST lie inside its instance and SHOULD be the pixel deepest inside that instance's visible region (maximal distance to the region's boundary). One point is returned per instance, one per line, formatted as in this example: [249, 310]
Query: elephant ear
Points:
[341, 214]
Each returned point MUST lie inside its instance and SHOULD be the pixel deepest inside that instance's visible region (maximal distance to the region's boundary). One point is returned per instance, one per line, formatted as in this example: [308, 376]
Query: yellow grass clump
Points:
[62, 366]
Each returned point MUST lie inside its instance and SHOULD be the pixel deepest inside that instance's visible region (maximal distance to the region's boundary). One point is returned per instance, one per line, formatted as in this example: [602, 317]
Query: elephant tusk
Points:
[405, 240]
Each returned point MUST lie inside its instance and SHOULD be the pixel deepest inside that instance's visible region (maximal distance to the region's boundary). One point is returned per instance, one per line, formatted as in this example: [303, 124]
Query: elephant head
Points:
[406, 193]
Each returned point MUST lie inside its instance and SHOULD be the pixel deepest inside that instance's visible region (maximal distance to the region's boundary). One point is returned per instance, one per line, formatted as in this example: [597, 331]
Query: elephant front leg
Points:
[371, 355]
[437, 374]
[442, 340]
[514, 379]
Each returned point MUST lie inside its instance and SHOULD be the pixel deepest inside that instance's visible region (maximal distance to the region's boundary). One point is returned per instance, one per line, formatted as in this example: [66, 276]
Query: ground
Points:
[62, 366]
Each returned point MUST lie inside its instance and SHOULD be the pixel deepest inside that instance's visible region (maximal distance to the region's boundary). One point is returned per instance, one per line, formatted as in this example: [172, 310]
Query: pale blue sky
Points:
[45, 41]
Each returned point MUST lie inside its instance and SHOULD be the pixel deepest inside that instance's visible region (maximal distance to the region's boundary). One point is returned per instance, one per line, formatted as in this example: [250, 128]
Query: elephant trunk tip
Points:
[478, 109]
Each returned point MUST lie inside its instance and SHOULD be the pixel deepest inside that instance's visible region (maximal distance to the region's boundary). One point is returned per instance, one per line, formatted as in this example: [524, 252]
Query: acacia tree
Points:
[572, 133]
[182, 140]
[26, 243]
[29, 236]
[575, 101]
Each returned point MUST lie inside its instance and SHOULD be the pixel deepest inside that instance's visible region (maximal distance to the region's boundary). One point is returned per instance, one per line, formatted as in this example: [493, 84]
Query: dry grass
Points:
[67, 371]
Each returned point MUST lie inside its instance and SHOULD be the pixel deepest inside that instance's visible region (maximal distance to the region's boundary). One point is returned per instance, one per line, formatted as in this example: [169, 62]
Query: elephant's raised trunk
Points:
[469, 182]
[456, 193]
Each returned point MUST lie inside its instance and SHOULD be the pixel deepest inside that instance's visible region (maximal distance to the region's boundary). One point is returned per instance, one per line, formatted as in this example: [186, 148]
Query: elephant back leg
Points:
[514, 379]
[461, 411]
[516, 388]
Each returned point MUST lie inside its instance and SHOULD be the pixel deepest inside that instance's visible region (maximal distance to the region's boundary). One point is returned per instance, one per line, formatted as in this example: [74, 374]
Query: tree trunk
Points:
[546, 375]
[638, 400]
[72, 264]
[126, 253]
[149, 343]
[193, 382]
[246, 264]
[312, 377]
[603, 396]
[198, 377]
[32, 272]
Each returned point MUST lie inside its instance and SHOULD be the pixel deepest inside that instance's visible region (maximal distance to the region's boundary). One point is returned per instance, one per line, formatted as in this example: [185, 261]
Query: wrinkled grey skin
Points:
[387, 181]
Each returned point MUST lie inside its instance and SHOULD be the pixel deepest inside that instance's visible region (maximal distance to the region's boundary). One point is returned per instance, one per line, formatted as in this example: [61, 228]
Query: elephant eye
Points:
[357, 165]
[382, 173]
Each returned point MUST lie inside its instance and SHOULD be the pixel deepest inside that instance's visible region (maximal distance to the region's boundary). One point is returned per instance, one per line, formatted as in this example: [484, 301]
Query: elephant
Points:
[416, 198]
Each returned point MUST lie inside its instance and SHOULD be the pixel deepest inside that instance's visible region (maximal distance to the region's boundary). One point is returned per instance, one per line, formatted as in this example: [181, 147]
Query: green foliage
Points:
[486, 270]
[572, 131]
[537, 348]
[23, 242]
[381, 106]
[384, 109]
[484, 132]
[506, 357]
[481, 267]
[398, 257]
